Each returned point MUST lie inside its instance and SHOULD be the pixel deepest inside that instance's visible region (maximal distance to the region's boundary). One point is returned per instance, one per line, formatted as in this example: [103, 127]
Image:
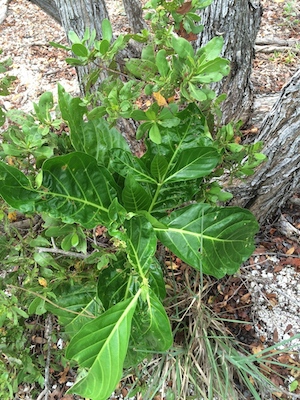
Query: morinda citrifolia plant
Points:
[86, 178]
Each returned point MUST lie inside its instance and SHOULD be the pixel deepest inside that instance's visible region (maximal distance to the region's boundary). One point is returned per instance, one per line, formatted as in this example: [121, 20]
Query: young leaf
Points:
[101, 346]
[106, 30]
[80, 50]
[196, 93]
[73, 37]
[162, 63]
[212, 49]
[215, 240]
[71, 109]
[182, 47]
[154, 134]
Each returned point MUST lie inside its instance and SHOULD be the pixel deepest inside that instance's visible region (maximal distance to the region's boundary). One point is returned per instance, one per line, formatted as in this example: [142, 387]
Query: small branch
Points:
[276, 42]
[48, 331]
[83, 314]
[62, 252]
[272, 49]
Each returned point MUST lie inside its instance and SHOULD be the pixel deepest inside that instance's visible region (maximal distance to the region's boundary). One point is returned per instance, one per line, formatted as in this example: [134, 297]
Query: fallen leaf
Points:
[275, 335]
[63, 375]
[290, 251]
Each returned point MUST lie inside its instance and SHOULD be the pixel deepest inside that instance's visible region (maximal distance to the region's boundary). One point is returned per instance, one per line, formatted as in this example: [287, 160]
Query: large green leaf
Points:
[77, 189]
[156, 280]
[71, 108]
[151, 331]
[134, 196]
[190, 133]
[16, 189]
[124, 163]
[101, 346]
[113, 282]
[194, 163]
[141, 243]
[215, 240]
[76, 306]
[97, 139]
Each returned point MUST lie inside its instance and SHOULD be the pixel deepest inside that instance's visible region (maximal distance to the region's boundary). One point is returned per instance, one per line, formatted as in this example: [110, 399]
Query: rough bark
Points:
[278, 178]
[134, 12]
[49, 7]
[77, 16]
[238, 22]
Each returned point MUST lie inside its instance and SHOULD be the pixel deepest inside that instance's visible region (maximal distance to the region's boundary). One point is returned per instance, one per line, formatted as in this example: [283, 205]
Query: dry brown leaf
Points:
[290, 251]
[246, 298]
[185, 8]
[63, 375]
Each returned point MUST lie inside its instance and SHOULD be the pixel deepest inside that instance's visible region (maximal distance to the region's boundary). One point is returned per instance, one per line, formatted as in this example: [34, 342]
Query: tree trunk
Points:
[134, 12]
[279, 177]
[77, 16]
[238, 22]
[49, 7]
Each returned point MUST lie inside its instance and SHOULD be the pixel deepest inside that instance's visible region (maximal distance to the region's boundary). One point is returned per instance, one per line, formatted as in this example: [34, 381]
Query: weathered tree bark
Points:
[278, 178]
[238, 22]
[134, 12]
[49, 7]
[77, 16]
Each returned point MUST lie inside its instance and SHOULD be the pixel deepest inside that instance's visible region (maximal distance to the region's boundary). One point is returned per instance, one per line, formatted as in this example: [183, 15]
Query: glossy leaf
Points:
[215, 240]
[16, 189]
[124, 163]
[113, 282]
[151, 329]
[134, 196]
[156, 279]
[159, 167]
[182, 47]
[141, 243]
[106, 30]
[77, 189]
[194, 163]
[101, 346]
[80, 50]
[76, 306]
[162, 63]
[97, 139]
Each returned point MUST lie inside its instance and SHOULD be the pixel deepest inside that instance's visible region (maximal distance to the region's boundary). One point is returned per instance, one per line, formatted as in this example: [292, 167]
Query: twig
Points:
[276, 42]
[60, 251]
[272, 49]
[48, 331]
[83, 314]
